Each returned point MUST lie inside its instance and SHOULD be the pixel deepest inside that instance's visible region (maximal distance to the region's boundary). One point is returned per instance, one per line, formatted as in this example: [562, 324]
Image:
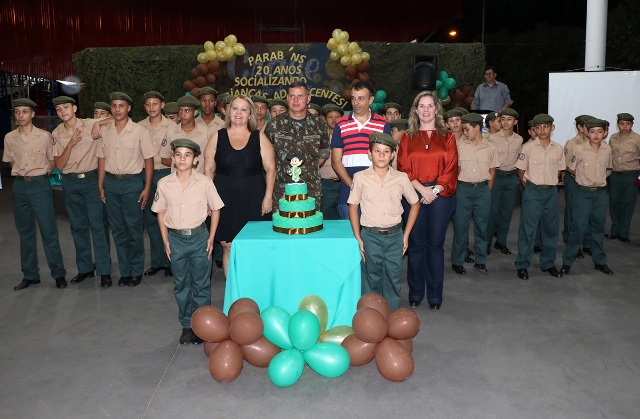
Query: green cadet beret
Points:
[102, 105]
[595, 122]
[228, 99]
[461, 109]
[63, 99]
[259, 99]
[542, 118]
[530, 123]
[207, 91]
[316, 107]
[492, 115]
[330, 107]
[451, 113]
[471, 117]
[171, 107]
[184, 142]
[280, 102]
[581, 119]
[188, 100]
[152, 94]
[401, 124]
[120, 96]
[625, 117]
[23, 101]
[382, 138]
[393, 105]
[509, 112]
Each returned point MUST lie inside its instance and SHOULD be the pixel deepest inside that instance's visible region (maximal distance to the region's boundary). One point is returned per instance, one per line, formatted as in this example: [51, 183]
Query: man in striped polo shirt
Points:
[350, 140]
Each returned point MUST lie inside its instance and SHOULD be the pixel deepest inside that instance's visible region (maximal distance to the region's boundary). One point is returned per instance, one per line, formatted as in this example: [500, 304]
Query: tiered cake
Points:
[297, 212]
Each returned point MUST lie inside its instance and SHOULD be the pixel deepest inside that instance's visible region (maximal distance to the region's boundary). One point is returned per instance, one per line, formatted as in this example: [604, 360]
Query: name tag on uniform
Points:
[311, 137]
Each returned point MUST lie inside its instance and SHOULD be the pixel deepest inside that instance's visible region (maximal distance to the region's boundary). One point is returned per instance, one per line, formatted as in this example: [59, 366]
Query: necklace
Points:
[426, 145]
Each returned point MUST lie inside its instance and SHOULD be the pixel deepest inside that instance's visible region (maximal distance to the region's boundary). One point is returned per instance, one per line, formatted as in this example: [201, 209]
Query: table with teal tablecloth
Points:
[275, 269]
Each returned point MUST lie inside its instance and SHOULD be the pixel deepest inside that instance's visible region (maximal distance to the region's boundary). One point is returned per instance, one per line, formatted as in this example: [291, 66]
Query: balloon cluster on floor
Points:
[351, 56]
[284, 343]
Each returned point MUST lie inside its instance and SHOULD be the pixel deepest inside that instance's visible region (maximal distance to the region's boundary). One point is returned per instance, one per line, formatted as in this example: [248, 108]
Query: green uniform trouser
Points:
[330, 192]
[34, 201]
[539, 211]
[156, 246]
[622, 201]
[126, 220]
[86, 218]
[383, 262]
[471, 202]
[503, 200]
[538, 239]
[191, 269]
[588, 210]
[570, 187]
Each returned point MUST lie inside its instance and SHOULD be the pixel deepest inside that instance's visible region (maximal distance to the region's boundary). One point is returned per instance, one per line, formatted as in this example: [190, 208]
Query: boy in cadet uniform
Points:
[477, 162]
[157, 125]
[392, 111]
[171, 111]
[101, 110]
[207, 98]
[262, 104]
[537, 246]
[377, 191]
[590, 164]
[493, 124]
[625, 150]
[125, 173]
[277, 106]
[452, 121]
[503, 194]
[187, 128]
[222, 106]
[539, 165]
[187, 242]
[314, 109]
[29, 152]
[570, 182]
[328, 177]
[398, 127]
[74, 151]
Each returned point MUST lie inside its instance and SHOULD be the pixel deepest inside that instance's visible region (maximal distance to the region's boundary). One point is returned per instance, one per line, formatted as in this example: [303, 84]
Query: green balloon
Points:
[443, 76]
[317, 306]
[443, 93]
[380, 96]
[304, 329]
[438, 84]
[375, 106]
[276, 326]
[286, 368]
[328, 359]
[450, 83]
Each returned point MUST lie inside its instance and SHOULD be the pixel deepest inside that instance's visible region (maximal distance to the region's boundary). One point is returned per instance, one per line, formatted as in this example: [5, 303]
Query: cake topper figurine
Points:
[296, 160]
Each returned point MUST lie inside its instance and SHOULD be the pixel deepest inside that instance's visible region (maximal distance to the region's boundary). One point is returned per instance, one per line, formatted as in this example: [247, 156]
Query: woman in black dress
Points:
[241, 161]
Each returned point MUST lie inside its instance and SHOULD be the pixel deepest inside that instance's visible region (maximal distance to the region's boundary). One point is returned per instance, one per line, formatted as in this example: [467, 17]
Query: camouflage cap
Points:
[382, 138]
[63, 99]
[23, 101]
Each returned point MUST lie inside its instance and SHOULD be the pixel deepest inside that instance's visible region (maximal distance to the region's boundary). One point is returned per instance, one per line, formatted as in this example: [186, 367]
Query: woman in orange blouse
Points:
[428, 155]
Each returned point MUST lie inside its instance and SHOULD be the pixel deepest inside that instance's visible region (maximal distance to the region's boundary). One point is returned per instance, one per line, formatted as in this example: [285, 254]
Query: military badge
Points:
[566, 151]
[156, 197]
[521, 156]
[573, 159]
[164, 142]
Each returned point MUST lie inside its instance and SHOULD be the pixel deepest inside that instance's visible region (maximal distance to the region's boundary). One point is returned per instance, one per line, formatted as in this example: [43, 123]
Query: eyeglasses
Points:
[489, 73]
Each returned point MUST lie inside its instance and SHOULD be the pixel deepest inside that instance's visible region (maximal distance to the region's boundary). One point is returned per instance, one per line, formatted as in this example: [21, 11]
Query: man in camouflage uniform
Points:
[298, 131]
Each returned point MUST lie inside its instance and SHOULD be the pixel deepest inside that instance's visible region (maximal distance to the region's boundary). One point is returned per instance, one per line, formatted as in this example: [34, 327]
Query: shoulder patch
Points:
[521, 156]
[573, 159]
[566, 151]
[156, 197]
[53, 140]
[164, 142]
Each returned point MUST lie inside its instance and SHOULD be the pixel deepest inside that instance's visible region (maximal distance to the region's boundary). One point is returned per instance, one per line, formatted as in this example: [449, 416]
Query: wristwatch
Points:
[435, 190]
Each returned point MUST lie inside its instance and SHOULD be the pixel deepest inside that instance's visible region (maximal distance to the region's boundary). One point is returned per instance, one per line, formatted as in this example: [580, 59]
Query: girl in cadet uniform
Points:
[183, 200]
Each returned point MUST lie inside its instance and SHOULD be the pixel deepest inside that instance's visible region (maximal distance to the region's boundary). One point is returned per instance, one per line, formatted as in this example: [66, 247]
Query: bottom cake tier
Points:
[297, 225]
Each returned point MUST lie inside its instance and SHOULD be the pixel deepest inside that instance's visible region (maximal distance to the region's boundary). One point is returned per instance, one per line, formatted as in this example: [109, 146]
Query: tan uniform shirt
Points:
[187, 207]
[541, 165]
[475, 161]
[490, 137]
[31, 156]
[200, 135]
[625, 151]
[82, 157]
[570, 145]
[590, 165]
[380, 199]
[125, 153]
[507, 150]
[215, 124]
[157, 135]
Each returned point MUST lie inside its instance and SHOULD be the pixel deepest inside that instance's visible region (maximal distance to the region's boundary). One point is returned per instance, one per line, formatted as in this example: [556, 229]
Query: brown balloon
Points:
[209, 347]
[246, 328]
[360, 353]
[201, 81]
[210, 324]
[346, 93]
[225, 362]
[376, 301]
[369, 325]
[210, 78]
[188, 85]
[241, 305]
[363, 66]
[195, 92]
[218, 73]
[407, 343]
[403, 323]
[351, 70]
[364, 76]
[394, 361]
[350, 78]
[202, 69]
[260, 353]
[213, 66]
[194, 72]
